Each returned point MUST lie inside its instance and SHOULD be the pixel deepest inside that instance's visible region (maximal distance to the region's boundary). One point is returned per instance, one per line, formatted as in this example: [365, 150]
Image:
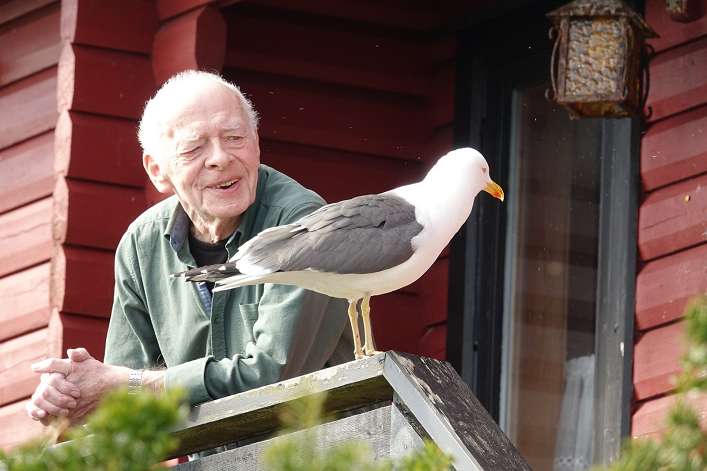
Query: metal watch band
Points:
[135, 381]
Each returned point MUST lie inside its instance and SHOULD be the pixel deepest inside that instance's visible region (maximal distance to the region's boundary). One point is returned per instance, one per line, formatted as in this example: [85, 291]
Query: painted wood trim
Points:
[30, 44]
[84, 331]
[73, 270]
[98, 148]
[674, 149]
[26, 171]
[25, 301]
[195, 40]
[678, 79]
[103, 81]
[126, 26]
[655, 359]
[673, 33]
[673, 218]
[17, 381]
[167, 9]
[664, 286]
[13, 9]
[29, 107]
[21, 429]
[92, 214]
[28, 231]
[255, 412]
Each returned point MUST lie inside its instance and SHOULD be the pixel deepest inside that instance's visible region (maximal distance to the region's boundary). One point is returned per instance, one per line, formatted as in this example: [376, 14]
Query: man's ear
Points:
[158, 178]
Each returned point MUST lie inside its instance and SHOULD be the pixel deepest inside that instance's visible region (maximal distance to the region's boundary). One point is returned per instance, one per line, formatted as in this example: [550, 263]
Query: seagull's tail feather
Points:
[209, 272]
[238, 281]
[260, 256]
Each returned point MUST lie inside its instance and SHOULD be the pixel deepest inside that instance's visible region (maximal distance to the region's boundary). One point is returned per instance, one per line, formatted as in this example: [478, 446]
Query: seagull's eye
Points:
[484, 169]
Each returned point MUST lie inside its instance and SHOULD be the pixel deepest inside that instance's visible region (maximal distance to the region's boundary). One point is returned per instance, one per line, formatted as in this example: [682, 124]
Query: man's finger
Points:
[52, 365]
[78, 354]
[61, 384]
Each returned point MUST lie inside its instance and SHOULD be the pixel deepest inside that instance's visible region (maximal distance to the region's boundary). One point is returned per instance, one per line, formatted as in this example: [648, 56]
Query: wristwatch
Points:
[135, 381]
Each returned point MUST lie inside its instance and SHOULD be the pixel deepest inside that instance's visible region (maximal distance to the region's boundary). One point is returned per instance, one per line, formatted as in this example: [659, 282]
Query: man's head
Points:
[200, 140]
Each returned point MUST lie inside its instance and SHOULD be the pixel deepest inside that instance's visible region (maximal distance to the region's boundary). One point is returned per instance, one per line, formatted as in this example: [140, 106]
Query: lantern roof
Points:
[598, 8]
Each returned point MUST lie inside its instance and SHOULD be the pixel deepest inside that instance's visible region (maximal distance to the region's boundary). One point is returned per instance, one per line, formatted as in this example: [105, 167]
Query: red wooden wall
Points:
[29, 52]
[350, 102]
[673, 212]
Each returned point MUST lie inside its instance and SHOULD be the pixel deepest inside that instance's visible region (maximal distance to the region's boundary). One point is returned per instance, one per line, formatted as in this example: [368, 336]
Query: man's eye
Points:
[234, 138]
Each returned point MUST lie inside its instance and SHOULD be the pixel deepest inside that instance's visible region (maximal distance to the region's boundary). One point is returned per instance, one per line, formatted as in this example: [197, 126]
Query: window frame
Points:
[490, 65]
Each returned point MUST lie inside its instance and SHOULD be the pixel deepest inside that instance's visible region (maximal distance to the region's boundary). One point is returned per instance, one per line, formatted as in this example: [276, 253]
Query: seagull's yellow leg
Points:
[366, 312]
[353, 318]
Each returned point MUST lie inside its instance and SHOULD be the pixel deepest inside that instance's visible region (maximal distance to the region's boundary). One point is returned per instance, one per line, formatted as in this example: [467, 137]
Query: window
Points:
[563, 247]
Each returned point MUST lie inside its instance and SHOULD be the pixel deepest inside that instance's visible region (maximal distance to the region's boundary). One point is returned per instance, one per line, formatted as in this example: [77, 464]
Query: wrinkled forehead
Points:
[186, 111]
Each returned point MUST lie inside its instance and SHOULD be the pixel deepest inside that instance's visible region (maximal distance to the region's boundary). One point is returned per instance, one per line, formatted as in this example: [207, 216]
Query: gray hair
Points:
[155, 116]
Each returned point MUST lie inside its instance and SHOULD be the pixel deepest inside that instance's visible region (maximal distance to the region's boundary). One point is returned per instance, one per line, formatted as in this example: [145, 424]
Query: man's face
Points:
[210, 157]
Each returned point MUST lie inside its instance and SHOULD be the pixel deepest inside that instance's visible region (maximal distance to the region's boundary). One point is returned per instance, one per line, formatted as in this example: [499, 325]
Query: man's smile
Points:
[225, 184]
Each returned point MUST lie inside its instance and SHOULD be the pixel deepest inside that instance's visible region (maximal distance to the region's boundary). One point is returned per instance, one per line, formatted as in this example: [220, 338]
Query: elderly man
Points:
[200, 141]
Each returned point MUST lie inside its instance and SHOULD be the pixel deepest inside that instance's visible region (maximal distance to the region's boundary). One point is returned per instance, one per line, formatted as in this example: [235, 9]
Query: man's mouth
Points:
[225, 184]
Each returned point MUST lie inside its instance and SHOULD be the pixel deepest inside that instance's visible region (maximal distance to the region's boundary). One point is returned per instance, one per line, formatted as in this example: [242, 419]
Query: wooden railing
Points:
[417, 398]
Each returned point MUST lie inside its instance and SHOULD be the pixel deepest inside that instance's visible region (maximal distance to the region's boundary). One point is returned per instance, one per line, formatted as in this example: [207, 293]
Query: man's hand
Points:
[72, 387]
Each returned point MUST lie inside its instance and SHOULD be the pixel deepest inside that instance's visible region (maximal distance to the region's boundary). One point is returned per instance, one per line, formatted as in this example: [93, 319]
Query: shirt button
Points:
[216, 319]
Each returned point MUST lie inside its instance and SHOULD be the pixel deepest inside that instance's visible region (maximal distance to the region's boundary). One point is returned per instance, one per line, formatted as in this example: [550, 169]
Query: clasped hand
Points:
[71, 387]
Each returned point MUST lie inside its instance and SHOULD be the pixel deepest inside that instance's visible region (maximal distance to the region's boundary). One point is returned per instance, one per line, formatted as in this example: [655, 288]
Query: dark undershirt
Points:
[207, 253]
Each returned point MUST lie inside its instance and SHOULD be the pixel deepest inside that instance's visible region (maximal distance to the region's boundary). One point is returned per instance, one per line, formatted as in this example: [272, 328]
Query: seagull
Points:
[364, 246]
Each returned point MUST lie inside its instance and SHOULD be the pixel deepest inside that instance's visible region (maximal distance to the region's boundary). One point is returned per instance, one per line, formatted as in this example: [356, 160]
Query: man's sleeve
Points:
[294, 332]
[131, 339]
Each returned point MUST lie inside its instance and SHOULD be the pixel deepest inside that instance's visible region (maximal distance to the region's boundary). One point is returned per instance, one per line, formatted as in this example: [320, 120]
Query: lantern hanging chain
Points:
[648, 54]
[553, 29]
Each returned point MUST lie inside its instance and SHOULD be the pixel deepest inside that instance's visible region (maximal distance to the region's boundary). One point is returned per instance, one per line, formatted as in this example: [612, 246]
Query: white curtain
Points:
[573, 450]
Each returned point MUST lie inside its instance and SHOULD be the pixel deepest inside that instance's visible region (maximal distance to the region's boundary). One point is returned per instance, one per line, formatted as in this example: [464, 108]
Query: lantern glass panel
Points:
[594, 57]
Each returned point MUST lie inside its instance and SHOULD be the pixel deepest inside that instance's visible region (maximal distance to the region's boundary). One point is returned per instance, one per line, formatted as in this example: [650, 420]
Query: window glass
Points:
[547, 379]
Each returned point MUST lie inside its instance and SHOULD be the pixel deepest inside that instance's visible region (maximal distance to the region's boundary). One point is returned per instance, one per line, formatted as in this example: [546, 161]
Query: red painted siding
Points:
[672, 215]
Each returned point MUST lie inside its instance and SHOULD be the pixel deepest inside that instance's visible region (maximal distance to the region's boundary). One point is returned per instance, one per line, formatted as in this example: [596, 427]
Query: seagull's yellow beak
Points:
[494, 190]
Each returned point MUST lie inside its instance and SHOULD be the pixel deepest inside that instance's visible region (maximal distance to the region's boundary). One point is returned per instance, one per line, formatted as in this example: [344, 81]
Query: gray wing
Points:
[365, 234]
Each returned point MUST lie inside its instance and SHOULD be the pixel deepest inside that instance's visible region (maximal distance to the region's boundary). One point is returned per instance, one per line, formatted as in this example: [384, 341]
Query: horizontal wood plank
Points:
[673, 33]
[27, 171]
[434, 293]
[674, 149]
[650, 418]
[17, 380]
[664, 286]
[122, 25]
[279, 45]
[170, 8]
[655, 358]
[314, 167]
[195, 40]
[27, 230]
[103, 81]
[99, 148]
[673, 218]
[84, 331]
[434, 343]
[29, 107]
[397, 323]
[25, 301]
[12, 9]
[17, 427]
[83, 281]
[93, 214]
[678, 79]
[336, 117]
[29, 44]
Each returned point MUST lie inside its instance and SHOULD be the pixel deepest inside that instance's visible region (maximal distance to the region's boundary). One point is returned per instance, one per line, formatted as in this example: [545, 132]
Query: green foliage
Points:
[296, 450]
[683, 445]
[126, 432]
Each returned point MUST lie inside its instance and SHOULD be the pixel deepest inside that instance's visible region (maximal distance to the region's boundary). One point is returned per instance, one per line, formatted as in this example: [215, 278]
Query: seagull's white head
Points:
[468, 167]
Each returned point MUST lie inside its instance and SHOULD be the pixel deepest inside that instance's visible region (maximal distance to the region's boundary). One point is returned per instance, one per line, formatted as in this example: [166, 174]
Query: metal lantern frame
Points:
[599, 65]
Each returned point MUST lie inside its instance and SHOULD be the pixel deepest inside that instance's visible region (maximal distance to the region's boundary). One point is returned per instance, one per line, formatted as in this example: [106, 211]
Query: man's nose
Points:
[218, 156]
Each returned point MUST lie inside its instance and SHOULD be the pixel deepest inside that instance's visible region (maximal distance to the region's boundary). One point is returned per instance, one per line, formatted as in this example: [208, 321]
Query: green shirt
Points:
[249, 336]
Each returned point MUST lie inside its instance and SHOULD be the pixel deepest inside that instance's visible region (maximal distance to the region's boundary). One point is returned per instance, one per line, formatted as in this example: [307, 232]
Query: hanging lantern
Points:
[602, 59]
